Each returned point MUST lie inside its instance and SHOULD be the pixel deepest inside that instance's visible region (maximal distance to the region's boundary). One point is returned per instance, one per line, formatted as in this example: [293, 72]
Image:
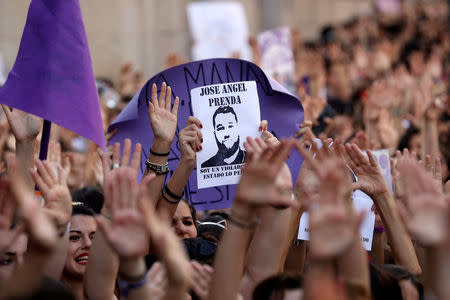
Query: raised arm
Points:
[427, 113]
[125, 232]
[43, 239]
[101, 271]
[371, 181]
[277, 226]
[352, 263]
[171, 252]
[164, 124]
[425, 211]
[51, 179]
[25, 127]
[190, 143]
[133, 224]
[257, 188]
[333, 228]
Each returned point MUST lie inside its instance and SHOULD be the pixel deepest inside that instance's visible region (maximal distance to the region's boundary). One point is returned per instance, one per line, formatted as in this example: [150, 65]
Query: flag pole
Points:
[45, 139]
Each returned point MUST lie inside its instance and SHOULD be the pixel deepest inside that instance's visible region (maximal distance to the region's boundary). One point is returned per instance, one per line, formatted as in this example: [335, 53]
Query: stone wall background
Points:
[144, 31]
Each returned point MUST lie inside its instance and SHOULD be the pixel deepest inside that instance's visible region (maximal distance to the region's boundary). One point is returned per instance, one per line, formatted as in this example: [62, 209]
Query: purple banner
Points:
[52, 76]
[282, 110]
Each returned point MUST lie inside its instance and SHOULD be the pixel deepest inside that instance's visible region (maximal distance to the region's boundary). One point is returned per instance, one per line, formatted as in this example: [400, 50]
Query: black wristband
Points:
[172, 195]
[167, 199]
[159, 154]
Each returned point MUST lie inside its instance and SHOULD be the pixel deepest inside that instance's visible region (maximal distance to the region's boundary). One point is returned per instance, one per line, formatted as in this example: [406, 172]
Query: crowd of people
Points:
[374, 82]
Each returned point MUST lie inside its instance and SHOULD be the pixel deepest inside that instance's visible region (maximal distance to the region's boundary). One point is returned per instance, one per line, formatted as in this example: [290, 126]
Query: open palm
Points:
[127, 234]
[126, 231]
[425, 207]
[53, 187]
[370, 178]
[162, 119]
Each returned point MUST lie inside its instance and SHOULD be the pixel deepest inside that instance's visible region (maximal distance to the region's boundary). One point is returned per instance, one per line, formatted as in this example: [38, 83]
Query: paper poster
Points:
[219, 29]
[229, 113]
[282, 110]
[361, 202]
[277, 57]
[382, 157]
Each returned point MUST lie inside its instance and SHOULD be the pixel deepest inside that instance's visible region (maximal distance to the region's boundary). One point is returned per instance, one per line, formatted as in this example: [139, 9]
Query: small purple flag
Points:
[282, 110]
[52, 76]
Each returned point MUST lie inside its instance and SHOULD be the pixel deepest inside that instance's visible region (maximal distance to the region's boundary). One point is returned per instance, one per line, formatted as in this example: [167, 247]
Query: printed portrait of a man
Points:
[226, 132]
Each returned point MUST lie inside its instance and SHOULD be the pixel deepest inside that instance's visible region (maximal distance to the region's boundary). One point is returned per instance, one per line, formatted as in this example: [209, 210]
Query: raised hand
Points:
[169, 249]
[190, 139]
[24, 126]
[425, 209]
[370, 178]
[306, 178]
[387, 134]
[283, 180]
[333, 224]
[56, 159]
[109, 168]
[162, 119]
[126, 232]
[255, 146]
[257, 185]
[433, 166]
[53, 186]
[38, 224]
[362, 141]
[397, 180]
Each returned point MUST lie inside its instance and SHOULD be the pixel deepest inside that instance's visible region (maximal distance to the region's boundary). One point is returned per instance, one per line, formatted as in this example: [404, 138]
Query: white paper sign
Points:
[277, 57]
[229, 113]
[219, 29]
[382, 157]
[361, 202]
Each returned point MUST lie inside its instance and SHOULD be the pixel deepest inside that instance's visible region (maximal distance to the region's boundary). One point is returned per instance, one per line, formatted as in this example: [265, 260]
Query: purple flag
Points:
[282, 110]
[52, 76]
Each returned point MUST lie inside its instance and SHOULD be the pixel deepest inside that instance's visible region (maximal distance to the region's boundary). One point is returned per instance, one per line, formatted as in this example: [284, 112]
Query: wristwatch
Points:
[157, 169]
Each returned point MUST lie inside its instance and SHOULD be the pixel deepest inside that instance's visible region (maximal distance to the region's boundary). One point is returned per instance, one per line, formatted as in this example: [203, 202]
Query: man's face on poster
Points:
[226, 130]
